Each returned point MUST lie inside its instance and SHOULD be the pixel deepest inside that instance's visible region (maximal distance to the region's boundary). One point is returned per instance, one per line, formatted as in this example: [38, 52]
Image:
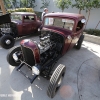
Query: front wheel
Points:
[7, 41]
[79, 43]
[10, 59]
[56, 80]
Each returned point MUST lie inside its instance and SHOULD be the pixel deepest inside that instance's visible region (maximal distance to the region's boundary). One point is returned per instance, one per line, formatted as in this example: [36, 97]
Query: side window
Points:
[49, 21]
[31, 17]
[69, 24]
[28, 18]
[79, 26]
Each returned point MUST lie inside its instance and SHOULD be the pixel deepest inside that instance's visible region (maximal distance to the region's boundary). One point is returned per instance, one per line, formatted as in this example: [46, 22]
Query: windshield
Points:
[59, 22]
[16, 17]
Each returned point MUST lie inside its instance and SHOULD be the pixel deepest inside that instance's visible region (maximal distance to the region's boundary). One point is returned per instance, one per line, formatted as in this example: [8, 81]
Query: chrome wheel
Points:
[8, 42]
[59, 82]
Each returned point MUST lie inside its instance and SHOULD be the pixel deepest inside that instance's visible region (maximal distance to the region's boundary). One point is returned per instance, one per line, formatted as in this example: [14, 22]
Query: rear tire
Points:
[56, 80]
[7, 41]
[79, 43]
[10, 59]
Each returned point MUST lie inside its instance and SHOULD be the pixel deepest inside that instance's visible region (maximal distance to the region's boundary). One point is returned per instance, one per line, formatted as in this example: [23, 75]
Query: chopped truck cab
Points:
[59, 33]
[17, 24]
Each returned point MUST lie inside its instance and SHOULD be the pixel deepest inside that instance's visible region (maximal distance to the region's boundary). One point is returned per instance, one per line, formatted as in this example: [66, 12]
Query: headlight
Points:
[39, 29]
[15, 57]
[35, 70]
[69, 37]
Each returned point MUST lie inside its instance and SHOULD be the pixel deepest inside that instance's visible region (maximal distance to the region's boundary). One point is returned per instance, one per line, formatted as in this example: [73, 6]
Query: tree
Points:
[97, 24]
[79, 4]
[14, 3]
[7, 4]
[87, 5]
[27, 3]
[45, 4]
[31, 4]
[10, 4]
[90, 5]
[24, 3]
[2, 7]
[62, 4]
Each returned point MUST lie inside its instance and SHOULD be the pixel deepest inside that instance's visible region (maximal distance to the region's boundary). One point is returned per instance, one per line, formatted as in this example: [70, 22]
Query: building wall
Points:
[94, 17]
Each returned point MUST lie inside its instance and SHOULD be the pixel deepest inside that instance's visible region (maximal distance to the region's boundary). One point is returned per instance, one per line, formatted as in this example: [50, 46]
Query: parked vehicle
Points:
[17, 24]
[60, 32]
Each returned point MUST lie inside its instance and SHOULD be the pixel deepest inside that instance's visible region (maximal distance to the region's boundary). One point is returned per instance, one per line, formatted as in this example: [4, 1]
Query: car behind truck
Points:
[17, 24]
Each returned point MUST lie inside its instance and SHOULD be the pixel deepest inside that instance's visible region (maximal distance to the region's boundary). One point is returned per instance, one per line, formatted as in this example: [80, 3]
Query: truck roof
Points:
[68, 15]
[24, 13]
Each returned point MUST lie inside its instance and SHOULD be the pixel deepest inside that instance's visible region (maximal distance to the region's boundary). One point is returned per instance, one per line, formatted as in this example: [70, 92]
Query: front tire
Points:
[79, 43]
[10, 59]
[56, 80]
[7, 41]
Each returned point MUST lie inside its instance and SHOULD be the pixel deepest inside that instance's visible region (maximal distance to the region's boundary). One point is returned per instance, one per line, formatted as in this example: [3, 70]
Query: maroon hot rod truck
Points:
[17, 24]
[60, 32]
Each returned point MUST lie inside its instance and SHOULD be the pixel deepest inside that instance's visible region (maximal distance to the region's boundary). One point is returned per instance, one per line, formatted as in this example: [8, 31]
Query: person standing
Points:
[44, 12]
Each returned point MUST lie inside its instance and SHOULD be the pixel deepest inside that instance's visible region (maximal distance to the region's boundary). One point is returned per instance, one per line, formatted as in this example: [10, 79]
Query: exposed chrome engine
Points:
[49, 48]
[44, 44]
[50, 45]
[5, 28]
[8, 28]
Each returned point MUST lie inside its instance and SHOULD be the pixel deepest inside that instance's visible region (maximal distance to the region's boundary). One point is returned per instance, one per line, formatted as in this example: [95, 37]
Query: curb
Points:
[92, 38]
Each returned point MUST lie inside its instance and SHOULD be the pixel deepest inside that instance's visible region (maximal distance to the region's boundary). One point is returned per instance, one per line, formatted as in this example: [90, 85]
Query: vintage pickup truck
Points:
[17, 24]
[60, 32]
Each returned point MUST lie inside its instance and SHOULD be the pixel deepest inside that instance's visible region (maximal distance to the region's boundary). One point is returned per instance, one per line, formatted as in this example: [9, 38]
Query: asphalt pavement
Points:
[81, 81]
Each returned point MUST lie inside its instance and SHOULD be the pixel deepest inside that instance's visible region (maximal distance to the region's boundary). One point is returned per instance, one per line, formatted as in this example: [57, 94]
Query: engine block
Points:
[44, 44]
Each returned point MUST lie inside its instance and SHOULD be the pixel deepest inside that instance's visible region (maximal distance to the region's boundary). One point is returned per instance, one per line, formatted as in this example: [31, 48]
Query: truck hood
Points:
[61, 31]
[5, 19]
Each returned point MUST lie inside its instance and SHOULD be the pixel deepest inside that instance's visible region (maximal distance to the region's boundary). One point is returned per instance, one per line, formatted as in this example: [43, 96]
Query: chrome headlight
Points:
[15, 57]
[69, 37]
[35, 70]
[39, 29]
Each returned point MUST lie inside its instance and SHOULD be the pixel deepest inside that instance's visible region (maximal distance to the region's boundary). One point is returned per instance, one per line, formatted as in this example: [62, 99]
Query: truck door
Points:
[78, 31]
[30, 24]
[27, 25]
[34, 23]
[67, 44]
[69, 25]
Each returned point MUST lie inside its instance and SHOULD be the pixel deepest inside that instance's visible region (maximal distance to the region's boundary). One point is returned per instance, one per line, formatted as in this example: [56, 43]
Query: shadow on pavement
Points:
[6, 92]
